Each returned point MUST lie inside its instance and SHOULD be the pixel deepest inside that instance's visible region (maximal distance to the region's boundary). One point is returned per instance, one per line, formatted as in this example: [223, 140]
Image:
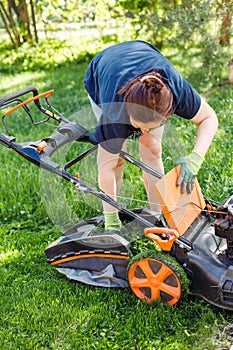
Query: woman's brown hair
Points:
[148, 98]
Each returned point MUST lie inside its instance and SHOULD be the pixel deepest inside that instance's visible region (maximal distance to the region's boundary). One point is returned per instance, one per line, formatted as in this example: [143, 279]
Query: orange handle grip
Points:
[46, 94]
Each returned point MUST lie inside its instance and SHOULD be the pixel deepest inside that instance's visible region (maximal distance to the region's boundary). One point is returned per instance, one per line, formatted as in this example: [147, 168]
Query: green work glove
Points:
[112, 221]
[190, 166]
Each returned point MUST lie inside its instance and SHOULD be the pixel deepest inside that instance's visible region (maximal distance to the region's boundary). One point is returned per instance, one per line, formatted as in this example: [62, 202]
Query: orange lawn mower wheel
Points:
[153, 278]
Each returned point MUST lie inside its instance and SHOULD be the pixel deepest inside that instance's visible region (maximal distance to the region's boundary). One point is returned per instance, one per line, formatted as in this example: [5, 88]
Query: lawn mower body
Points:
[207, 264]
[201, 243]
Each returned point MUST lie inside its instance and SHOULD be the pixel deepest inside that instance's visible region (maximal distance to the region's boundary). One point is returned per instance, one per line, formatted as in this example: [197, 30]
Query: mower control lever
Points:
[16, 94]
[163, 236]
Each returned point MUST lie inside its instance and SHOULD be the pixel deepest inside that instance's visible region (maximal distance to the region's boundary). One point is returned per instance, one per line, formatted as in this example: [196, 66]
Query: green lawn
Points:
[40, 308]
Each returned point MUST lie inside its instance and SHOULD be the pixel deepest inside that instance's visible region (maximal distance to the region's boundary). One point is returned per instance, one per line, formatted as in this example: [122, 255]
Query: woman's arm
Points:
[207, 124]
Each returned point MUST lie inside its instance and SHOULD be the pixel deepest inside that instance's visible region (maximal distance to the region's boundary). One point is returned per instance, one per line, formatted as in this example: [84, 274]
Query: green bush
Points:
[49, 54]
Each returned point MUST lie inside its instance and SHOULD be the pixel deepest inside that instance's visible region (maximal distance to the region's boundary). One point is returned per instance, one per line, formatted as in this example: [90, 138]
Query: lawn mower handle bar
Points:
[80, 130]
[18, 93]
[80, 134]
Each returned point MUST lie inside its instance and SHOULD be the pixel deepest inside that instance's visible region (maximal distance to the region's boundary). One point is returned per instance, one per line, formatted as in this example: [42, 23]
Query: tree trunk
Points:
[3, 15]
[226, 29]
[23, 17]
[34, 21]
[13, 26]
[10, 26]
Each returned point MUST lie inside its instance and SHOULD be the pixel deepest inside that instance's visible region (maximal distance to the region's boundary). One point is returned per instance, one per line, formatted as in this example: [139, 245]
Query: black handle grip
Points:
[18, 93]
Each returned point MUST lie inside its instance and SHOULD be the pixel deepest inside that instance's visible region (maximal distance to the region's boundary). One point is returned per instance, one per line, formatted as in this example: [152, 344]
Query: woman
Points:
[134, 90]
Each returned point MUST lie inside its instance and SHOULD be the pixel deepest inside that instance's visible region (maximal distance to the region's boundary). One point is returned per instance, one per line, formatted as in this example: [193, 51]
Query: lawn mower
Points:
[191, 241]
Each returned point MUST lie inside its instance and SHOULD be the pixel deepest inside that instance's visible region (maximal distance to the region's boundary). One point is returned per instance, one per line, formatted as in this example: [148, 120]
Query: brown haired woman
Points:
[134, 90]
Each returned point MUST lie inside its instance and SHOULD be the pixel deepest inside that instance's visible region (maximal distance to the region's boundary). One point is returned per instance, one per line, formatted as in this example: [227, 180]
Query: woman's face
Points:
[147, 127]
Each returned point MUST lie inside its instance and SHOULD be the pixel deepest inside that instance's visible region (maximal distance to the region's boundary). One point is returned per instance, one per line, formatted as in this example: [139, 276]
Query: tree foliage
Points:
[18, 18]
[184, 21]
[187, 23]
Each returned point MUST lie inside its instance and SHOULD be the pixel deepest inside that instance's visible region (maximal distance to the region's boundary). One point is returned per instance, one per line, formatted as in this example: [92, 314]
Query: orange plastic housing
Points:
[165, 242]
[179, 210]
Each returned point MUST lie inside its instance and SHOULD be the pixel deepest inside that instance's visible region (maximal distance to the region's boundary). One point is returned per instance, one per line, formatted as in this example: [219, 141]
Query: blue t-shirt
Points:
[112, 69]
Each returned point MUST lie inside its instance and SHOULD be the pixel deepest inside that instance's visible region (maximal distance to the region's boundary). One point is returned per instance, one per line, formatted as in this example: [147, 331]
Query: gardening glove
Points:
[112, 221]
[190, 166]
